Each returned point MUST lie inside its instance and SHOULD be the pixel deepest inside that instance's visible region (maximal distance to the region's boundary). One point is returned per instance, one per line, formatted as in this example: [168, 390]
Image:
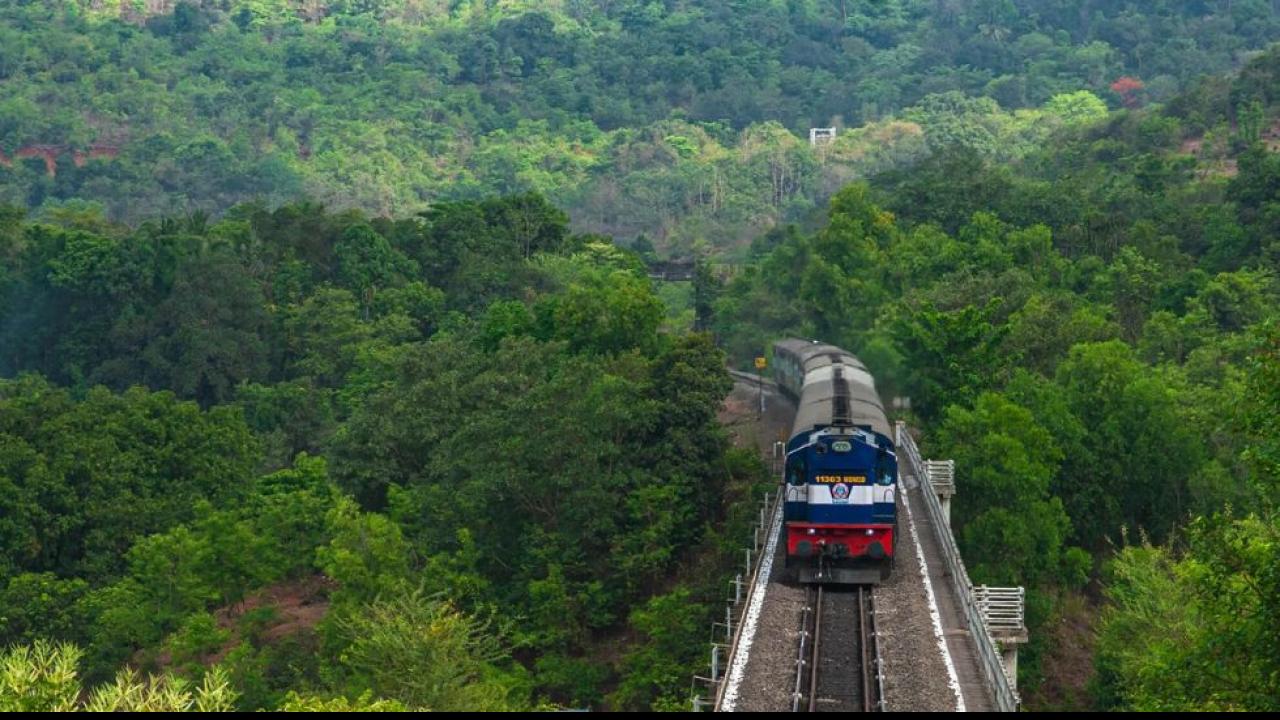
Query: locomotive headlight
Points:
[812, 531]
[870, 531]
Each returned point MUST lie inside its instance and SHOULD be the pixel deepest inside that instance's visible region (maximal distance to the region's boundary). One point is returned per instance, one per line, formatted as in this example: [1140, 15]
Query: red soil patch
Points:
[298, 604]
[1271, 136]
[1220, 166]
[1068, 665]
[50, 153]
[95, 152]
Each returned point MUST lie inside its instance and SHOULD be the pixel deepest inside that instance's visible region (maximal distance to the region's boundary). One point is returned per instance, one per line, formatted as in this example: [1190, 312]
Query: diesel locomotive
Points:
[841, 472]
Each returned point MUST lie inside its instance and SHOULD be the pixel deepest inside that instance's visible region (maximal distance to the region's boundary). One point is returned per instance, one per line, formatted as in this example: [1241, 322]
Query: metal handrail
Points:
[993, 669]
[769, 515]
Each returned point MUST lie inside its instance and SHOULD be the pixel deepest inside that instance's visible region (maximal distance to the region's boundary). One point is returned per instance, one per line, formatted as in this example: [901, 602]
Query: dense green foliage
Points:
[519, 455]
[322, 387]
[1213, 597]
[1085, 333]
[1215, 605]
[686, 121]
[84, 479]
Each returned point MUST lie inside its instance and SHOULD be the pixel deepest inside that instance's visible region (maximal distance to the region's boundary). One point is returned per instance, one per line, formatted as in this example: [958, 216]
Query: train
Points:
[841, 470]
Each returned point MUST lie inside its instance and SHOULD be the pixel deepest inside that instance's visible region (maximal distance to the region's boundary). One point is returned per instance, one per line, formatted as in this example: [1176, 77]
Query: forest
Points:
[297, 444]
[685, 122]
[332, 378]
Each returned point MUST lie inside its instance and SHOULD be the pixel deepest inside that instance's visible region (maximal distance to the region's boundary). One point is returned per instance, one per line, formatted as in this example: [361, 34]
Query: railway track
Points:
[838, 659]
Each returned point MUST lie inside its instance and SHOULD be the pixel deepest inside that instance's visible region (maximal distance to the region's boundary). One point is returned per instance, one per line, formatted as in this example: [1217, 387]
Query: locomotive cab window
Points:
[795, 471]
[884, 469]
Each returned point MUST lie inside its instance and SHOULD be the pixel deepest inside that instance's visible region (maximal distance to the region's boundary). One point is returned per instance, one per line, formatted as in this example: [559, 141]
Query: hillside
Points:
[687, 122]
[332, 376]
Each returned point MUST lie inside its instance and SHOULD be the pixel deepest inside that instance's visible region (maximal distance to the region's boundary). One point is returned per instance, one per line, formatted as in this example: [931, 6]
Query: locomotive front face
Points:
[840, 506]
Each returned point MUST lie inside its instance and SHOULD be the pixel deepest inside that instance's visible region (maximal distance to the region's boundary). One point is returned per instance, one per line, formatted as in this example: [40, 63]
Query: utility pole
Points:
[761, 364]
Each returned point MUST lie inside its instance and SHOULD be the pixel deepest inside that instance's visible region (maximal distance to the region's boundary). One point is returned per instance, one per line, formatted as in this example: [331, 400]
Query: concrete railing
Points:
[993, 669]
[942, 475]
[1002, 608]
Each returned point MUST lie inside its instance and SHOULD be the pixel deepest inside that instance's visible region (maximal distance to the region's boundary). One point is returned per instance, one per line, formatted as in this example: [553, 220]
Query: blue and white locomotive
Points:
[841, 472]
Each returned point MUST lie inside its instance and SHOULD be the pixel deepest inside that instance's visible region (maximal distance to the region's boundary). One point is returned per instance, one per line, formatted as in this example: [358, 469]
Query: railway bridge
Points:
[925, 640]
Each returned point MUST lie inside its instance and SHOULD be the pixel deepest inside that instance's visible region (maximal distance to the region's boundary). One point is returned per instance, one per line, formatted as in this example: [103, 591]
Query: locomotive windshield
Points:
[796, 467]
[886, 469]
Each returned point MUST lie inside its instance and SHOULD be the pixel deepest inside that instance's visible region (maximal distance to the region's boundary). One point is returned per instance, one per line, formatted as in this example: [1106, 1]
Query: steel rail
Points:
[864, 648]
[803, 654]
[876, 660]
[816, 663]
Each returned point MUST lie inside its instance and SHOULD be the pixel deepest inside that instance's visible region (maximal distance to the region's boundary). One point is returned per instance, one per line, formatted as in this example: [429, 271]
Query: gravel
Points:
[770, 672]
[915, 676]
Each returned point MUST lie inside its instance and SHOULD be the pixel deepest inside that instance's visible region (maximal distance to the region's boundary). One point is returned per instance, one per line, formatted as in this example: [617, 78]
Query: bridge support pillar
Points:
[1009, 655]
